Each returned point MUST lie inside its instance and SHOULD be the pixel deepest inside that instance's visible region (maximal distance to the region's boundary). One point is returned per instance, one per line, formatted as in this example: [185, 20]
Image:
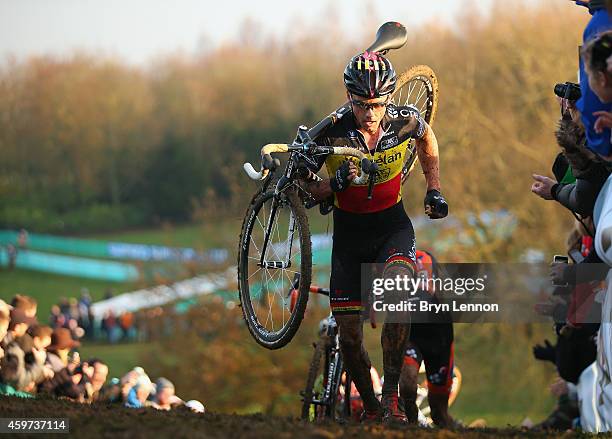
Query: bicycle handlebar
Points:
[269, 163]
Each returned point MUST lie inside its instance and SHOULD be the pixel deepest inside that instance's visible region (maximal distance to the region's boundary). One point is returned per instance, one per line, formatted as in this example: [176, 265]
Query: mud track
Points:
[112, 421]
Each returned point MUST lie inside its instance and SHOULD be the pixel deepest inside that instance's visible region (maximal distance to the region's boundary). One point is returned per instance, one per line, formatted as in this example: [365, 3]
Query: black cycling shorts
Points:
[358, 240]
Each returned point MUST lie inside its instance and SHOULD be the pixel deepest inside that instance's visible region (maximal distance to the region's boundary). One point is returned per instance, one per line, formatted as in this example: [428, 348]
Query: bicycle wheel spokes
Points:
[416, 92]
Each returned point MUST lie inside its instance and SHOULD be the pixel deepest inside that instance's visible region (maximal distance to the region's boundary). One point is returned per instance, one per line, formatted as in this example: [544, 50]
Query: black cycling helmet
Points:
[369, 75]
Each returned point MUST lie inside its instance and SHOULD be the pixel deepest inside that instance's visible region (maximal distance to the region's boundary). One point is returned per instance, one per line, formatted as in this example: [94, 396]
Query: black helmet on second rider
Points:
[369, 75]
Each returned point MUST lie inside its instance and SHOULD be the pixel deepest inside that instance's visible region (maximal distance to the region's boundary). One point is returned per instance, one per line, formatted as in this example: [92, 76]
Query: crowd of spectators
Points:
[578, 302]
[43, 360]
[76, 316]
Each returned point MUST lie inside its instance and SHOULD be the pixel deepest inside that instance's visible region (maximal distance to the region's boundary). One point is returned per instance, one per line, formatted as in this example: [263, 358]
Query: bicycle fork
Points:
[268, 233]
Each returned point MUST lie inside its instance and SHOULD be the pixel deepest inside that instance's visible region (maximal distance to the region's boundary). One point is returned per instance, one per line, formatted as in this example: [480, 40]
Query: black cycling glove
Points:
[340, 181]
[435, 205]
[545, 353]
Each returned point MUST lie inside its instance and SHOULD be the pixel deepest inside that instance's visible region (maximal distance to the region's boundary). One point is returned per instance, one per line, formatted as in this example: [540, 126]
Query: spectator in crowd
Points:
[22, 239]
[36, 359]
[589, 103]
[98, 378]
[41, 337]
[126, 323]
[61, 345]
[56, 319]
[6, 389]
[85, 318]
[18, 325]
[597, 57]
[14, 370]
[25, 303]
[111, 326]
[64, 306]
[11, 252]
[139, 393]
[65, 382]
[164, 394]
[111, 392]
[5, 311]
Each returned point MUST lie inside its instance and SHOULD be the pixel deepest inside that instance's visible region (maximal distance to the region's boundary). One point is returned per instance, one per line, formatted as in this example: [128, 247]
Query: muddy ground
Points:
[116, 422]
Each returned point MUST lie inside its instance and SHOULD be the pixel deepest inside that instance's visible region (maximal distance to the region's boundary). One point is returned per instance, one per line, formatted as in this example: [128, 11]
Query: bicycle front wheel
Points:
[274, 250]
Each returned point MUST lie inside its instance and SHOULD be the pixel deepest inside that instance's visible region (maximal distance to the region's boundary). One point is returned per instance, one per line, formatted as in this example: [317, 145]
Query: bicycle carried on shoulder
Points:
[274, 243]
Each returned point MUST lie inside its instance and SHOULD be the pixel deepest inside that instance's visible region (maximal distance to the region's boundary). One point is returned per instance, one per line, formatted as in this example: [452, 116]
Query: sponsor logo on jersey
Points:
[382, 175]
[386, 159]
[405, 112]
[389, 143]
[392, 112]
[352, 134]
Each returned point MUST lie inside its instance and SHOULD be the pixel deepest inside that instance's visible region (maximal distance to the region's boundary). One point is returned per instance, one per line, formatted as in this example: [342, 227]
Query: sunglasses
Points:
[369, 106]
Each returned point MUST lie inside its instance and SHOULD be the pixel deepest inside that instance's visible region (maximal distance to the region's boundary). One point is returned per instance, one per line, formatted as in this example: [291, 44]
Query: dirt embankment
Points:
[116, 422]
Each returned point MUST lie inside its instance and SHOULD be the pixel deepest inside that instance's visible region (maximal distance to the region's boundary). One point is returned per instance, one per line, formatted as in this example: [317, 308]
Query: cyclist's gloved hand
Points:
[343, 176]
[435, 205]
[545, 353]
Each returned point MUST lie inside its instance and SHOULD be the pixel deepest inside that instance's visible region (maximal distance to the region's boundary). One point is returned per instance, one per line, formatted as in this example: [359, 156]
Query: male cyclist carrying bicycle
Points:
[375, 230]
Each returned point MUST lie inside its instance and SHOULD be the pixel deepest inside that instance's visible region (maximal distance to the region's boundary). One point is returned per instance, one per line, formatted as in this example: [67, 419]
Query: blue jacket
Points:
[589, 102]
[132, 400]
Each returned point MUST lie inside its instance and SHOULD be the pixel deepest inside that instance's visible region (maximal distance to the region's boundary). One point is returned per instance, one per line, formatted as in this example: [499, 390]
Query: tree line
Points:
[93, 143]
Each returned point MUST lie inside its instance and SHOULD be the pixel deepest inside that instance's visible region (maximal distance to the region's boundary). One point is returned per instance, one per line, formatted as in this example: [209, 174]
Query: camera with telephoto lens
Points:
[569, 91]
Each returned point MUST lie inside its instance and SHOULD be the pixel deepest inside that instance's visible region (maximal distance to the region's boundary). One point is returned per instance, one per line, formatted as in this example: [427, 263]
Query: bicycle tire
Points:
[313, 373]
[274, 338]
[428, 107]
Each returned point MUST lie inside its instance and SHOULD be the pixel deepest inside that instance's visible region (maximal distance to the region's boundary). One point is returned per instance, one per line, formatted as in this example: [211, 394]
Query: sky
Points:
[139, 30]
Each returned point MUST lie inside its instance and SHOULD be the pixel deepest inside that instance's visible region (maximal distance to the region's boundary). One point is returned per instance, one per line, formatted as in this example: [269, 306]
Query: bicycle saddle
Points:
[391, 35]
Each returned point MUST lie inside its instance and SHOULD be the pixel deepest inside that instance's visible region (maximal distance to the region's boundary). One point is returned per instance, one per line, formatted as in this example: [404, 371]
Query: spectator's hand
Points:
[542, 186]
[1, 353]
[87, 370]
[604, 120]
[556, 273]
[568, 106]
[559, 387]
[75, 360]
[545, 353]
[39, 355]
[48, 372]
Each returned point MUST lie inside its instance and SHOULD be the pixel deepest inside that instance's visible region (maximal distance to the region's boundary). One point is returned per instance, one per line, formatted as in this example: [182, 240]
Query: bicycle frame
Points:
[333, 368]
